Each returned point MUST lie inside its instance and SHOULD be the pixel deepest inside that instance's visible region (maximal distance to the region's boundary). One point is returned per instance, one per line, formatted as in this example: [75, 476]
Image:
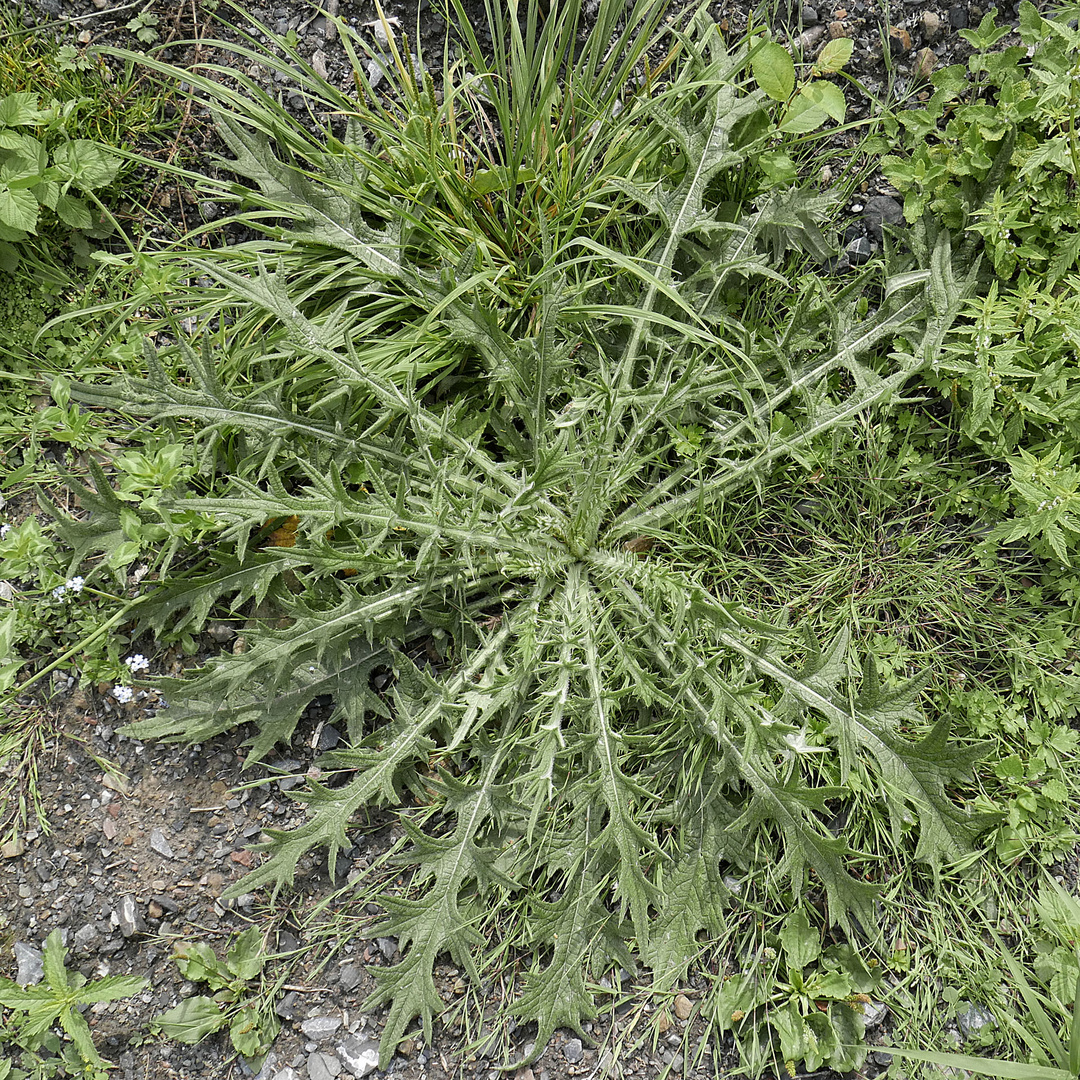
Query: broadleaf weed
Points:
[518, 521]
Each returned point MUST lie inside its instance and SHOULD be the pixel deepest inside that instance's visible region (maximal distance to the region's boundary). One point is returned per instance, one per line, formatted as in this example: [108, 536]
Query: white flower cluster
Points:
[1050, 504]
[5, 529]
[135, 663]
[73, 584]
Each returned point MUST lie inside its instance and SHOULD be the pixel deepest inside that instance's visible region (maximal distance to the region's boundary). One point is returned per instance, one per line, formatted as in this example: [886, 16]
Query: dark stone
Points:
[958, 17]
[859, 251]
[882, 210]
[810, 16]
[329, 737]
[286, 1007]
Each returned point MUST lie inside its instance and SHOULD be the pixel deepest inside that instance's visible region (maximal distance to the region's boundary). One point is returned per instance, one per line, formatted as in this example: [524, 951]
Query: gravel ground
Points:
[143, 839]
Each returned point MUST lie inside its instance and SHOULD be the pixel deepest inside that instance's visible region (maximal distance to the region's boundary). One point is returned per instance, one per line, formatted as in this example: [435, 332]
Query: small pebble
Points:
[873, 1014]
[322, 1066]
[30, 964]
[160, 843]
[958, 17]
[899, 41]
[573, 1051]
[361, 1056]
[320, 1027]
[930, 24]
[973, 1019]
[838, 30]
[128, 917]
[859, 251]
[925, 62]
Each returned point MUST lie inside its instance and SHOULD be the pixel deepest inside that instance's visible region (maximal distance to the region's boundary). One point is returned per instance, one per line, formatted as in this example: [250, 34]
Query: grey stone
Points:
[286, 1007]
[320, 1028]
[859, 251]
[350, 976]
[267, 1071]
[329, 737]
[809, 16]
[973, 1019]
[958, 17]
[360, 1056]
[86, 940]
[129, 917]
[159, 842]
[288, 1073]
[873, 1013]
[388, 947]
[882, 210]
[573, 1051]
[30, 965]
[322, 1066]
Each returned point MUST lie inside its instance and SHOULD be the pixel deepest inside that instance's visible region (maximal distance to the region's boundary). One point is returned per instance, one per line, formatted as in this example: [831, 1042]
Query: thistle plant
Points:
[574, 722]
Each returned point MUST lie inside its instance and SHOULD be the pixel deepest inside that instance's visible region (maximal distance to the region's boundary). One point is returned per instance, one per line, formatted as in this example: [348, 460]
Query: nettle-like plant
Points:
[575, 726]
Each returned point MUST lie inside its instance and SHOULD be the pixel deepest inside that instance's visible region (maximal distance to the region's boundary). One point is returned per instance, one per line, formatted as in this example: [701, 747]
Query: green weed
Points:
[36, 1011]
[594, 734]
[525, 429]
[251, 1022]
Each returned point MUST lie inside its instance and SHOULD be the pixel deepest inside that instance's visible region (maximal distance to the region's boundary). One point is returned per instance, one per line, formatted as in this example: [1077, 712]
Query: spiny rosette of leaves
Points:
[591, 732]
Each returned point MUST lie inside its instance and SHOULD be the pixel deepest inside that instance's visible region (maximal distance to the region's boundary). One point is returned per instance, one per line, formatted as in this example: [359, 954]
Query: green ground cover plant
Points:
[69, 193]
[694, 609]
[248, 1017]
[34, 1012]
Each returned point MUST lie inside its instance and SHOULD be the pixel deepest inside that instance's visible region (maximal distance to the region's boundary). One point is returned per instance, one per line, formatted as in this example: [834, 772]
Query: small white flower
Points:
[137, 663]
[75, 584]
[4, 530]
[59, 591]
[123, 694]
